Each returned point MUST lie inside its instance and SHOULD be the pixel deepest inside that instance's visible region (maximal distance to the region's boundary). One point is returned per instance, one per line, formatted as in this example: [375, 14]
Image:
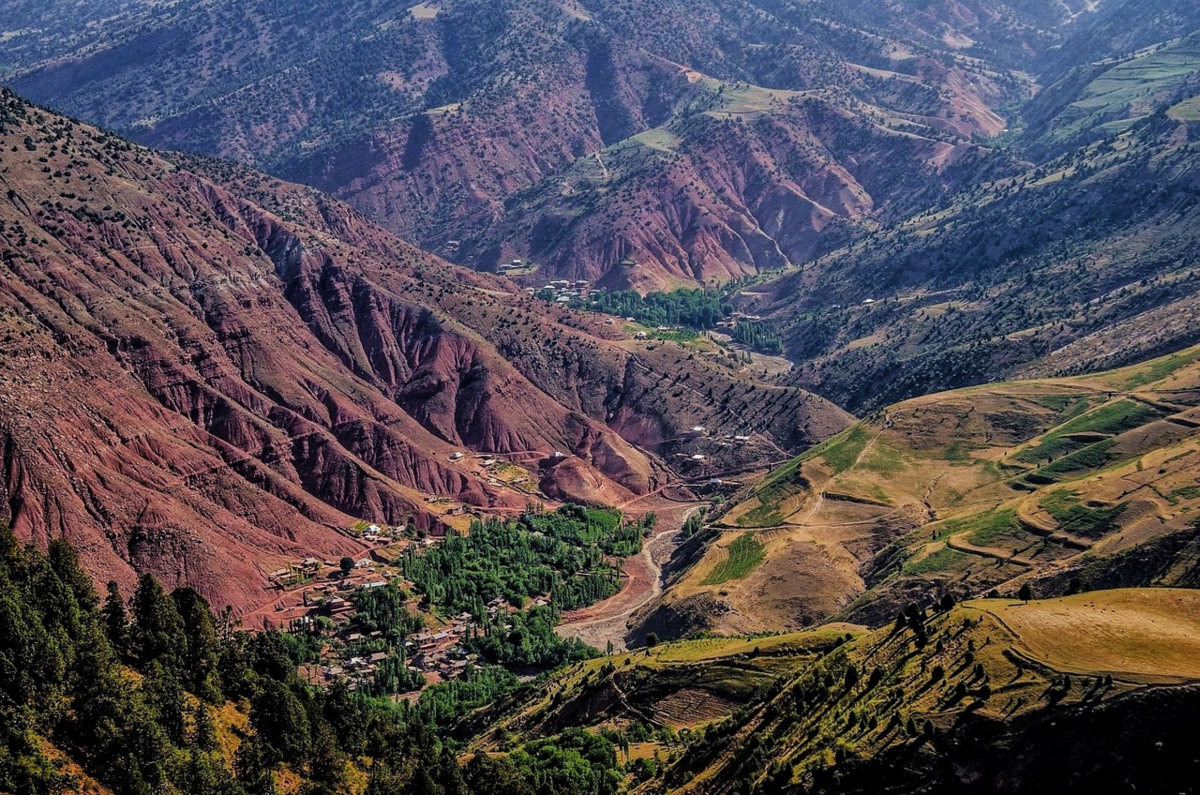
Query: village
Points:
[316, 601]
[562, 291]
[319, 601]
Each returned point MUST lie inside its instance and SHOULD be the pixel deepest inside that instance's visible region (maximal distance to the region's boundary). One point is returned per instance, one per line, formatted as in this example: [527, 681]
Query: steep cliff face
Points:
[206, 371]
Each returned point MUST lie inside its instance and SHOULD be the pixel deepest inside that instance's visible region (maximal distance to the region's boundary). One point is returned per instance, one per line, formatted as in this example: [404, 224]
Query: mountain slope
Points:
[1059, 484]
[1020, 275]
[204, 378]
[444, 119]
[1069, 695]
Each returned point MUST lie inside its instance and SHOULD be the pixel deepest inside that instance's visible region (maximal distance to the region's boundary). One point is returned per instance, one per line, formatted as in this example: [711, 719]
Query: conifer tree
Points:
[157, 630]
[116, 620]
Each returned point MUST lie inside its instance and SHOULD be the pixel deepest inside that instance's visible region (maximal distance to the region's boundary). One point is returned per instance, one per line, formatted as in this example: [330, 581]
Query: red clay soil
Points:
[193, 386]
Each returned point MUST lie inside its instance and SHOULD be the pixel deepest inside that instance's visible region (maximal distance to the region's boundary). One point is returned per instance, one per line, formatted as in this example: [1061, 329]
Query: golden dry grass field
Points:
[1140, 635]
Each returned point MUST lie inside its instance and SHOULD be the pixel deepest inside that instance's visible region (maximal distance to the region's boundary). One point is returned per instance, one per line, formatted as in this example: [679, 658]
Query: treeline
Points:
[566, 555]
[139, 693]
[581, 527]
[527, 639]
[758, 337]
[444, 704]
[385, 610]
[696, 309]
[693, 524]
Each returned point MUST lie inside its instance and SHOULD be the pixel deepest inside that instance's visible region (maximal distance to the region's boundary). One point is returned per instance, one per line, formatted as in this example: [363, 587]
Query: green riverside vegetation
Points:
[697, 309]
[572, 555]
[700, 310]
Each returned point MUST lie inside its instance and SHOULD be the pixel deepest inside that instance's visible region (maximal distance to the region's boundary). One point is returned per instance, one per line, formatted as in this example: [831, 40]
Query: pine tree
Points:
[116, 620]
[204, 728]
[199, 656]
[65, 563]
[157, 631]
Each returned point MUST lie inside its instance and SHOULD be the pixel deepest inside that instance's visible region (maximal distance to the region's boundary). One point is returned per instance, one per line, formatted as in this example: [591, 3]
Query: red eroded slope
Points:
[206, 371]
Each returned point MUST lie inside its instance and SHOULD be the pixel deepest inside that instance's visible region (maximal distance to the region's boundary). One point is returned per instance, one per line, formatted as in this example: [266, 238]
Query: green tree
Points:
[327, 765]
[282, 723]
[157, 630]
[204, 728]
[165, 696]
[200, 653]
[486, 775]
[65, 563]
[116, 620]
[252, 765]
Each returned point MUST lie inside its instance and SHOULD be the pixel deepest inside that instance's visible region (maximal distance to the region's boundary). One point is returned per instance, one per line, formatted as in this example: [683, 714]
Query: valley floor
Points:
[606, 622]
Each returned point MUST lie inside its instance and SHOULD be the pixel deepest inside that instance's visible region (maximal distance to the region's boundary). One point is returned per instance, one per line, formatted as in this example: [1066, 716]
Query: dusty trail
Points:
[605, 621]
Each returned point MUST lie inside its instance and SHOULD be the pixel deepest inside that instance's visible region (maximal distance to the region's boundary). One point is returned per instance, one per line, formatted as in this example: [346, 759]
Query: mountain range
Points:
[833, 367]
[700, 141]
[204, 378]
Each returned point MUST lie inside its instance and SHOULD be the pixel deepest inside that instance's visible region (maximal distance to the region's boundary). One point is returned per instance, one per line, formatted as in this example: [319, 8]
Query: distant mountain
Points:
[206, 372]
[1116, 30]
[487, 129]
[1085, 259]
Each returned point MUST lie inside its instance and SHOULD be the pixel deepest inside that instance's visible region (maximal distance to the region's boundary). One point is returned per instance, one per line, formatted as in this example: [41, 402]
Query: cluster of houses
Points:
[563, 291]
[438, 655]
[441, 652]
[312, 570]
[317, 592]
[353, 668]
[488, 467]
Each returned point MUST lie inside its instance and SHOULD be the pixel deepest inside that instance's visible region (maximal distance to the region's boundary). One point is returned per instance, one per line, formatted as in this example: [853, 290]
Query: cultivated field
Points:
[1140, 635]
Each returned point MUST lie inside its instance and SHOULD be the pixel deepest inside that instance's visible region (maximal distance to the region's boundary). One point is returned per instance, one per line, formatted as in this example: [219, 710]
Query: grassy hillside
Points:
[1129, 90]
[1059, 483]
[920, 705]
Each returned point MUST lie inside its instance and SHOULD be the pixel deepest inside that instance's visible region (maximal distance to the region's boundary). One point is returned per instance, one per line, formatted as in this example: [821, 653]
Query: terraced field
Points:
[1132, 89]
[1138, 635]
[1042, 481]
[783, 711]
[742, 557]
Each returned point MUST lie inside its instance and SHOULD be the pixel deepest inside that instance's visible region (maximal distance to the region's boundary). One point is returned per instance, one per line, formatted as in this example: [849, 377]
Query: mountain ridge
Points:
[440, 146]
[293, 376]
